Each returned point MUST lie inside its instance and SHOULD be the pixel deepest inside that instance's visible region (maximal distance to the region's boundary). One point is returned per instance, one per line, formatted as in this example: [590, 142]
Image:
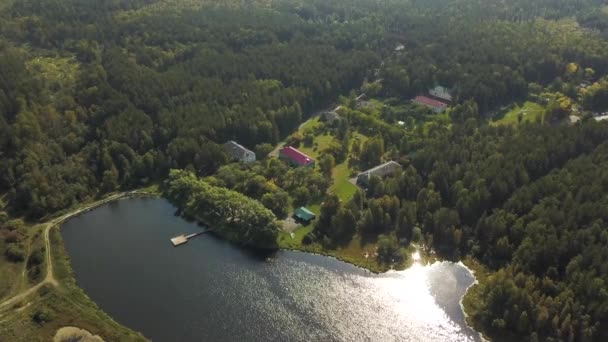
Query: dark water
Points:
[210, 290]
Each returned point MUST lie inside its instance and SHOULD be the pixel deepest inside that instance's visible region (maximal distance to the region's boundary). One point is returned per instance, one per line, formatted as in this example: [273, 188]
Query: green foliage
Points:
[14, 253]
[43, 315]
[229, 213]
[327, 164]
[98, 96]
[388, 250]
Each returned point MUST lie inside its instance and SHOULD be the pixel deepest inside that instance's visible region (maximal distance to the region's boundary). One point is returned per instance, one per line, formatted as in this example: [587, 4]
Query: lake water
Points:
[211, 290]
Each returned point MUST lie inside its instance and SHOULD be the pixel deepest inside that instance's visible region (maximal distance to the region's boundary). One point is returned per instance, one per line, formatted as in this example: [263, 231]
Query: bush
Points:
[14, 253]
[42, 316]
[12, 237]
[14, 224]
[34, 274]
[36, 258]
[262, 150]
[309, 238]
[3, 217]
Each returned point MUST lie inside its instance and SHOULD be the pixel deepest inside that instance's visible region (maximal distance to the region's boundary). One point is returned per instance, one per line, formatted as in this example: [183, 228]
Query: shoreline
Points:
[426, 260]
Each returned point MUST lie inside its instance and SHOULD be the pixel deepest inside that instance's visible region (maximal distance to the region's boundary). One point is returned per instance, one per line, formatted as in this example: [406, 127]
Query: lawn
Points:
[341, 186]
[310, 124]
[285, 241]
[531, 111]
[319, 144]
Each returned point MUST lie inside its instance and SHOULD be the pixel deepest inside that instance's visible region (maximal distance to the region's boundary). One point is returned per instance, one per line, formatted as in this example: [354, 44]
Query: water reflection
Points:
[213, 291]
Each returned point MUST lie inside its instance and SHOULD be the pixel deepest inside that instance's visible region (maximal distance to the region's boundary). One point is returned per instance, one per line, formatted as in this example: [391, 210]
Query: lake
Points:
[211, 290]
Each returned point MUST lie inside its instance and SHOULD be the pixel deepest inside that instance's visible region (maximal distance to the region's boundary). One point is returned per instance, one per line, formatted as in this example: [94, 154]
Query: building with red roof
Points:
[295, 157]
[435, 105]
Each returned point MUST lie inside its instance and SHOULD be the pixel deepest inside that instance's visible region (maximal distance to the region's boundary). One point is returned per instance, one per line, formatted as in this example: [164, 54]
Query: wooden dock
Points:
[179, 240]
[182, 239]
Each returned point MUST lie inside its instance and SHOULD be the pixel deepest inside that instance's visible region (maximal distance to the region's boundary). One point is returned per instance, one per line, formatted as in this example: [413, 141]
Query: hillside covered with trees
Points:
[100, 96]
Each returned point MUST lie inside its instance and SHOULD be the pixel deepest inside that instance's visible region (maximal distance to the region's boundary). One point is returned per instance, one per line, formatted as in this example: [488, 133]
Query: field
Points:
[530, 112]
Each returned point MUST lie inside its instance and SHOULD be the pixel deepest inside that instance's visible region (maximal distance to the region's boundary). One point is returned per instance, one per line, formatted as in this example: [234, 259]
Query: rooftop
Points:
[430, 102]
[304, 214]
[236, 150]
[296, 155]
[383, 166]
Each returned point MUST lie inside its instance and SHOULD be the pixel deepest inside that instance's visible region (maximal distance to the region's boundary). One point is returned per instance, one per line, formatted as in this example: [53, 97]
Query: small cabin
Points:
[304, 215]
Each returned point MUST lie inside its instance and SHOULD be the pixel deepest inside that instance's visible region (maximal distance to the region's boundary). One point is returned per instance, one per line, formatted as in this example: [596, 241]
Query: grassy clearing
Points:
[342, 186]
[320, 143]
[354, 252]
[10, 275]
[310, 124]
[530, 112]
[285, 240]
[14, 277]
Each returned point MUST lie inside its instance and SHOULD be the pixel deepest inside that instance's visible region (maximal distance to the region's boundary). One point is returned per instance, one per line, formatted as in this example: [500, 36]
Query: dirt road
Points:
[50, 277]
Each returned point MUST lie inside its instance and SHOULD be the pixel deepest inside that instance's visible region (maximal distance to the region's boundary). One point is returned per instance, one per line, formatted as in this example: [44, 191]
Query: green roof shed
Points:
[304, 214]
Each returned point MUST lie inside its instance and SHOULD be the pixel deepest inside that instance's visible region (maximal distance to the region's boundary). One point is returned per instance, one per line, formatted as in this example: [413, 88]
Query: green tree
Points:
[327, 164]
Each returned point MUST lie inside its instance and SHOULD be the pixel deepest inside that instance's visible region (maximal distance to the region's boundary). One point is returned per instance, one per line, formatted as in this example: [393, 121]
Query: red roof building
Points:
[436, 105]
[296, 157]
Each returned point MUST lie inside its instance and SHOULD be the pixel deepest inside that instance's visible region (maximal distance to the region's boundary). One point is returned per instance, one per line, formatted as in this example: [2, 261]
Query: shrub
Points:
[12, 237]
[309, 238]
[14, 253]
[42, 315]
[36, 258]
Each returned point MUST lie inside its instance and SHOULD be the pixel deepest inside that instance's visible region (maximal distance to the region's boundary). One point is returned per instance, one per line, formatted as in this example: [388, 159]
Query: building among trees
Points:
[380, 171]
[441, 93]
[433, 104]
[239, 153]
[295, 157]
[304, 215]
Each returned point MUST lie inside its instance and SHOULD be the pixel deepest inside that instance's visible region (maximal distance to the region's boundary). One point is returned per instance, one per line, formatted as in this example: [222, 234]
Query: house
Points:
[295, 157]
[380, 171]
[441, 93]
[433, 104]
[304, 215]
[239, 153]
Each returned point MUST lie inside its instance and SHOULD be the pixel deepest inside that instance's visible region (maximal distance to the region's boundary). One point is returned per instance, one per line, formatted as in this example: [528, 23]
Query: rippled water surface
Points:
[210, 290]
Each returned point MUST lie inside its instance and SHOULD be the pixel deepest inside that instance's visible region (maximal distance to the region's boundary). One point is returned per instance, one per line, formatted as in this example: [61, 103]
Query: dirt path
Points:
[50, 276]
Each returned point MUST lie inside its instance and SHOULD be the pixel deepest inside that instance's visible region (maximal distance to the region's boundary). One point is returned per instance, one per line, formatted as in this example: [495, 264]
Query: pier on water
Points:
[182, 239]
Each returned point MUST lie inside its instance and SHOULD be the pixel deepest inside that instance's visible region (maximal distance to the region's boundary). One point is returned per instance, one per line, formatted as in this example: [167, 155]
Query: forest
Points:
[101, 96]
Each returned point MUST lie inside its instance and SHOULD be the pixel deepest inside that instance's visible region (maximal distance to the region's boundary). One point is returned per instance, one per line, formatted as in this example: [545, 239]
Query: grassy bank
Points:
[353, 253]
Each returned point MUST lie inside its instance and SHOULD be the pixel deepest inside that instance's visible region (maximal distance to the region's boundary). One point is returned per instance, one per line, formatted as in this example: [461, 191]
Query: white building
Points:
[239, 153]
[441, 93]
